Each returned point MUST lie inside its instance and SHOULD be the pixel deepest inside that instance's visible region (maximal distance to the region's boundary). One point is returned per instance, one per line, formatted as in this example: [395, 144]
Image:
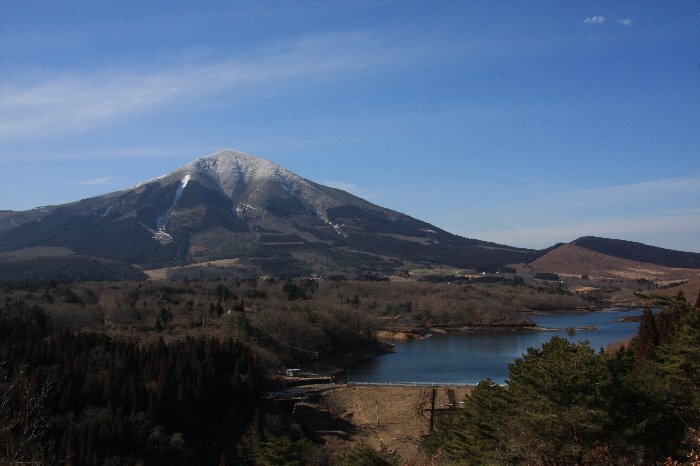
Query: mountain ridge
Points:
[234, 205]
[641, 252]
[574, 260]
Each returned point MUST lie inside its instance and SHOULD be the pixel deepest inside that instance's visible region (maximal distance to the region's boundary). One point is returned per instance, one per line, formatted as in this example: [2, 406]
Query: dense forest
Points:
[176, 373]
[566, 404]
[328, 319]
[66, 268]
[87, 399]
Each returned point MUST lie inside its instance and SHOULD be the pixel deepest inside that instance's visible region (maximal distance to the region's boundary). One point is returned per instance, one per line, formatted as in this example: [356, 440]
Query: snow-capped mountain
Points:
[231, 205]
[256, 190]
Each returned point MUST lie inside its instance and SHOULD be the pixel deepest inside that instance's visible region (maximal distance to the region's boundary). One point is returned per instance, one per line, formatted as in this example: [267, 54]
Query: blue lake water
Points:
[470, 357]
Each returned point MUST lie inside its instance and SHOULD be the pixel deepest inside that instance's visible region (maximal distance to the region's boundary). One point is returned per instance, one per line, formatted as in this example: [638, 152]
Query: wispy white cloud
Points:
[96, 181]
[625, 22]
[630, 194]
[661, 212]
[637, 228]
[31, 154]
[351, 188]
[594, 20]
[75, 102]
[634, 191]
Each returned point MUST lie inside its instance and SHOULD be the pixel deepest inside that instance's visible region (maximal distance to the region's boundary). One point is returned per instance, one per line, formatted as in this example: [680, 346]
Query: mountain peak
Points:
[231, 169]
[233, 205]
[233, 158]
[226, 162]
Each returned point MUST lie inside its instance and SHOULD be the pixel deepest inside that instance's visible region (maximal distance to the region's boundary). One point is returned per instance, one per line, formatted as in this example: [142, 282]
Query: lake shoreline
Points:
[427, 331]
[466, 354]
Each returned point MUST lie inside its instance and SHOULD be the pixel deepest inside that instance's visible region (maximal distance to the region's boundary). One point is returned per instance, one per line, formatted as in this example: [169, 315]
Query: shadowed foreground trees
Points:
[554, 409]
[566, 404]
[88, 399]
[23, 418]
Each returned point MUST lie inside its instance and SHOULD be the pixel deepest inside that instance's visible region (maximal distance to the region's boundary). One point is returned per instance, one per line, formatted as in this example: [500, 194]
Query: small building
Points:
[292, 372]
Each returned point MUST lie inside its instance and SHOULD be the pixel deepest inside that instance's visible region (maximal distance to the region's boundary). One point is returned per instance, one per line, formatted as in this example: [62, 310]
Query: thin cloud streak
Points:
[75, 103]
[97, 181]
[638, 211]
[608, 196]
[35, 156]
[633, 227]
[663, 185]
[350, 188]
[594, 20]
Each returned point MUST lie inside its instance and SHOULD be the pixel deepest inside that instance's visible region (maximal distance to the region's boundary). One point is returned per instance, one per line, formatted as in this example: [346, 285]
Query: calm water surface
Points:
[471, 357]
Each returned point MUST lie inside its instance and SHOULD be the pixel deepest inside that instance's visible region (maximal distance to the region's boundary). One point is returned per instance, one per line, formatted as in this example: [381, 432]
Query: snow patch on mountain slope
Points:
[231, 170]
[143, 183]
[246, 180]
[163, 219]
[244, 208]
[183, 184]
[162, 236]
[158, 235]
[237, 172]
[337, 228]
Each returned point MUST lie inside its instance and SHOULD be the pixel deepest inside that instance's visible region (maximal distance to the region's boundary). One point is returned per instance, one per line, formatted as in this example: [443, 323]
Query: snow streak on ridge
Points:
[163, 219]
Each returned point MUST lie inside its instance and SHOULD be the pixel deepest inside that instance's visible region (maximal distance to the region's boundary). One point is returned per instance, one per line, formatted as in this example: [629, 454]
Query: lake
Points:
[468, 358]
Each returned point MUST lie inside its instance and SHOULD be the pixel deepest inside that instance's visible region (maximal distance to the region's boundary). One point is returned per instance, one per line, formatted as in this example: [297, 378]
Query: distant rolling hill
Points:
[575, 260]
[231, 205]
[60, 264]
[640, 252]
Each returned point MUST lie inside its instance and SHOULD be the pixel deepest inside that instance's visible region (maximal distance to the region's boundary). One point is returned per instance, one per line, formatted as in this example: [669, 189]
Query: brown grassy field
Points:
[393, 417]
[570, 260]
[690, 289]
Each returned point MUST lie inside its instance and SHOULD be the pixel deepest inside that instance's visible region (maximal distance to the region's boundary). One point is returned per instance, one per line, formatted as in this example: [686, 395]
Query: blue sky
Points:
[526, 123]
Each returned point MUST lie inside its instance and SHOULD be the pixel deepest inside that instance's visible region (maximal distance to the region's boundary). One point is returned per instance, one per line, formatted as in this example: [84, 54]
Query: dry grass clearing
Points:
[392, 417]
[572, 260]
[162, 274]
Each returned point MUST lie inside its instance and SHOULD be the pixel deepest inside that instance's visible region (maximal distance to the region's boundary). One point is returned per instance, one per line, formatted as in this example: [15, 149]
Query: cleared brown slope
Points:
[690, 288]
[635, 251]
[572, 260]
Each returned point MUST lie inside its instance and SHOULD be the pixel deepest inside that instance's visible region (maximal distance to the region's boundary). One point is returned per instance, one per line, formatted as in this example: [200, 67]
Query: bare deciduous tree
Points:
[23, 417]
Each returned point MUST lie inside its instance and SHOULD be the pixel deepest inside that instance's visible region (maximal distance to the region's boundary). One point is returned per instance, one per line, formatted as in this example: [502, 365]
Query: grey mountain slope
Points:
[234, 205]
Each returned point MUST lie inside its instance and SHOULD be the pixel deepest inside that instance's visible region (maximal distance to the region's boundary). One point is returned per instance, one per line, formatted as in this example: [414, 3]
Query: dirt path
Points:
[392, 417]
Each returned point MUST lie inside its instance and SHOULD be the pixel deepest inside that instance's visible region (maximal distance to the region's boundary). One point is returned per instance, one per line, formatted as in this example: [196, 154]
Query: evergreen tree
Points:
[364, 455]
[648, 337]
[565, 404]
[282, 451]
[553, 410]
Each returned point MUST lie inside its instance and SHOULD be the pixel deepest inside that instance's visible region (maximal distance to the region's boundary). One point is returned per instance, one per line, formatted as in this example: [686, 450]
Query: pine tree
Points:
[282, 451]
[648, 336]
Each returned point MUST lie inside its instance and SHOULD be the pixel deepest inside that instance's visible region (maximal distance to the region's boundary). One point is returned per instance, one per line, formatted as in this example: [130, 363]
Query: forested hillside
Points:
[88, 399]
[566, 404]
